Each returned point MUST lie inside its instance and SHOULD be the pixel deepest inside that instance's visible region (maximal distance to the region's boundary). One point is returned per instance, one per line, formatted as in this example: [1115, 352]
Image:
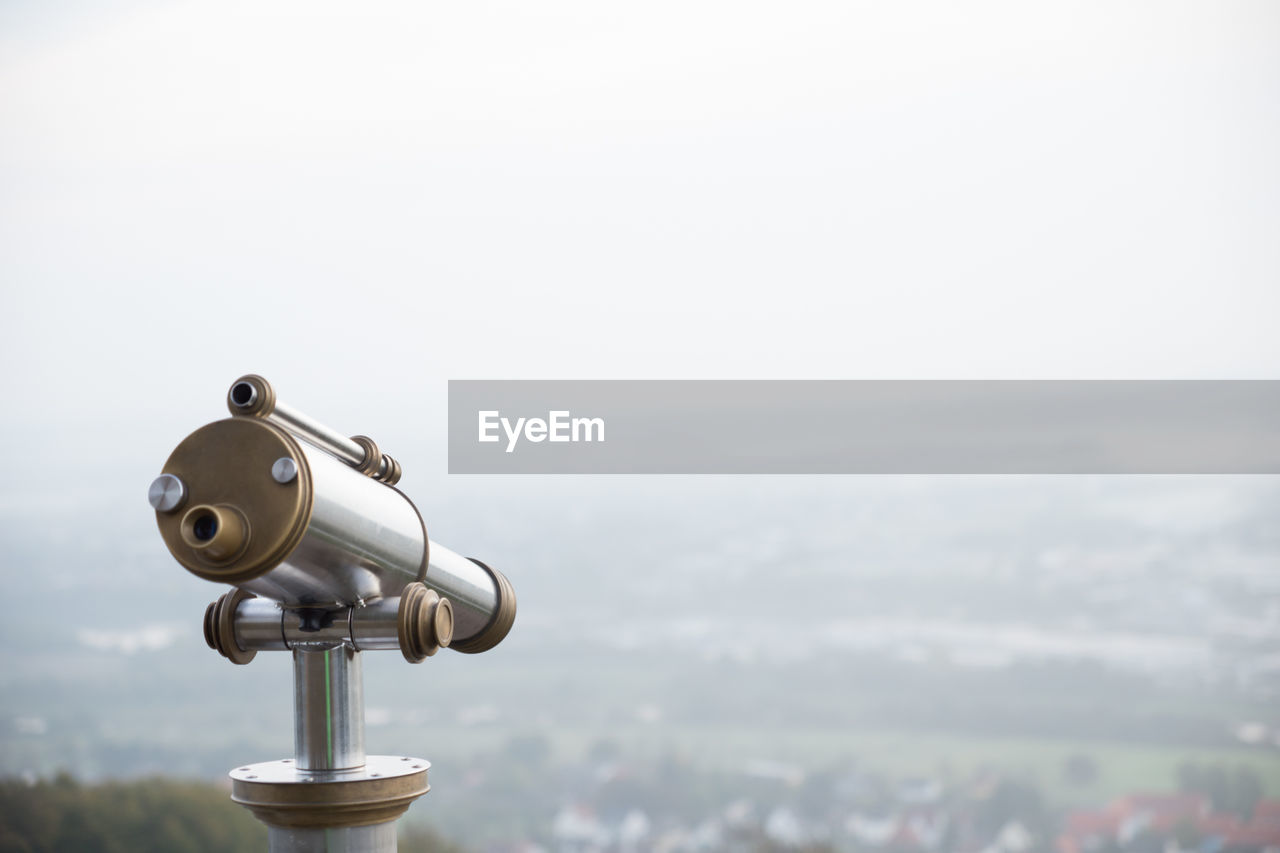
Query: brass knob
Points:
[425, 622]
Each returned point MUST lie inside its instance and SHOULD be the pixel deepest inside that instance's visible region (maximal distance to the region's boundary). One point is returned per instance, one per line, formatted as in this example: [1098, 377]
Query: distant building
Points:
[784, 829]
[576, 829]
[1164, 816]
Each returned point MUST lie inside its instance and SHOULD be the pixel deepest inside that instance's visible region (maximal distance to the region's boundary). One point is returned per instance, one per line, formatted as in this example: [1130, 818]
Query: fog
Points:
[363, 203]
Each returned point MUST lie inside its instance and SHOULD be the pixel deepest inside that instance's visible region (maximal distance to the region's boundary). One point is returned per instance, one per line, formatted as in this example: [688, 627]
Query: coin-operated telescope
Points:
[328, 559]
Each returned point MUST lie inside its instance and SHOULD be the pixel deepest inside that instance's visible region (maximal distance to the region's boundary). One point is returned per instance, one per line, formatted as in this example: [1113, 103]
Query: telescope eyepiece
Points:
[204, 527]
[218, 533]
[243, 394]
[251, 396]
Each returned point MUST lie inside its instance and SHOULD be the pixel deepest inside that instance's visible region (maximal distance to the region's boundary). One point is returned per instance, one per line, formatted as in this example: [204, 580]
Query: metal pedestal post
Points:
[328, 708]
[330, 797]
[379, 838]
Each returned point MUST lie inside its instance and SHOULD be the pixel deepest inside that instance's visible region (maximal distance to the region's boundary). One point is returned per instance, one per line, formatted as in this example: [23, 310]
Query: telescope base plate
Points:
[281, 795]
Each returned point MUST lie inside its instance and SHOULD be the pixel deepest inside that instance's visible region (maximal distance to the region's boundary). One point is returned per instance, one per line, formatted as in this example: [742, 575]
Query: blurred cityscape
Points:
[611, 806]
[947, 664]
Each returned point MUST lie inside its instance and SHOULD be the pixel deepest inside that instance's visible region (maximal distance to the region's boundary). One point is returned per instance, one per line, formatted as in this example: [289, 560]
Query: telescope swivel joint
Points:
[418, 622]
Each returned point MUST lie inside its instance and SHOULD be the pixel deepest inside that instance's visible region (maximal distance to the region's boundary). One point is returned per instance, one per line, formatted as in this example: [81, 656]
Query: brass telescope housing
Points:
[327, 559]
[284, 508]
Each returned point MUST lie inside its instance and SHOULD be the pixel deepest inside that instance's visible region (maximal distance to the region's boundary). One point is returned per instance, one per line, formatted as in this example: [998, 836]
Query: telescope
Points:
[327, 559]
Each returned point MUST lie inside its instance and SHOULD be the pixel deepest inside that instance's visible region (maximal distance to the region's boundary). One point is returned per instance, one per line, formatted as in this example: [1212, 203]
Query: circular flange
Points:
[504, 616]
[279, 794]
[424, 622]
[220, 627]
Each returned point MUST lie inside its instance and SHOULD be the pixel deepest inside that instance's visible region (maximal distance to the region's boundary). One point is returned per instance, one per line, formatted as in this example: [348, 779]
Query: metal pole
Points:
[379, 838]
[328, 741]
[328, 708]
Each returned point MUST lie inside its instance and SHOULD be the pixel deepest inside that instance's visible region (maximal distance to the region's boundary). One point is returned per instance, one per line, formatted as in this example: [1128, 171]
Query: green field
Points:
[1121, 767]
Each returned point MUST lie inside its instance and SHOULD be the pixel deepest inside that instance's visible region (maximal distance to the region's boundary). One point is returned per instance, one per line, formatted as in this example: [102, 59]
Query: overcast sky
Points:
[362, 200]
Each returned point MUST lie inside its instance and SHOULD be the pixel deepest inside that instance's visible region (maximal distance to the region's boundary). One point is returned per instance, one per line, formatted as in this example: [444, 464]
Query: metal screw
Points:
[167, 493]
[284, 470]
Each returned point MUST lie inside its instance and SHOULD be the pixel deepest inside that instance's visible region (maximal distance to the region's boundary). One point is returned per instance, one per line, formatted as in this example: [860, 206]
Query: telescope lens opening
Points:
[205, 527]
[216, 534]
[243, 394]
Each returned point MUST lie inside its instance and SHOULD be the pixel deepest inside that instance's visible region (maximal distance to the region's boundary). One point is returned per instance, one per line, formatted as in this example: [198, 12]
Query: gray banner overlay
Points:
[863, 427]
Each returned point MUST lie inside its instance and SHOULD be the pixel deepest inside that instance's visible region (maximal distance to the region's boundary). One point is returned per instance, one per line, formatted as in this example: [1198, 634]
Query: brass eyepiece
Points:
[216, 533]
[251, 396]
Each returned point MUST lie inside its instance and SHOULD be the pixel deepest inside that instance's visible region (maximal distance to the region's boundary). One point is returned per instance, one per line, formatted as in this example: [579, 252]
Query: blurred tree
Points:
[420, 839]
[1236, 791]
[1187, 834]
[1190, 777]
[603, 750]
[529, 750]
[11, 843]
[1080, 769]
[1217, 784]
[1246, 790]
[1012, 800]
[145, 816]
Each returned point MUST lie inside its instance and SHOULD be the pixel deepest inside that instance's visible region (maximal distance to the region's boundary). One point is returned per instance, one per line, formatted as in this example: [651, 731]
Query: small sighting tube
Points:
[252, 395]
[318, 434]
[328, 708]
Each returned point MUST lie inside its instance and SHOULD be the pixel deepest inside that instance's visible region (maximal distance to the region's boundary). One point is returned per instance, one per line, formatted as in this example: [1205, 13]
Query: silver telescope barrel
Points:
[275, 504]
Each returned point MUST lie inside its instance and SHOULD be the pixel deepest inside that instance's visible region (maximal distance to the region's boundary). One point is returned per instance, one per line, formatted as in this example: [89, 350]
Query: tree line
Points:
[61, 815]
